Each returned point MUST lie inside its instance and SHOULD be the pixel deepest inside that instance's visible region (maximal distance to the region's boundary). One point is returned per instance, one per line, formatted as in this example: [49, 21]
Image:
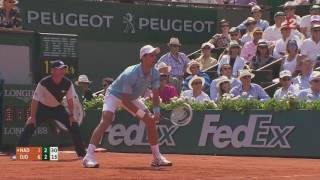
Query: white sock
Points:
[91, 149]
[155, 151]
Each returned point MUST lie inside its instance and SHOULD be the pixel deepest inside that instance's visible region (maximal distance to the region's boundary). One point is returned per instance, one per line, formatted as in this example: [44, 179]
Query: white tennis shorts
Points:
[112, 103]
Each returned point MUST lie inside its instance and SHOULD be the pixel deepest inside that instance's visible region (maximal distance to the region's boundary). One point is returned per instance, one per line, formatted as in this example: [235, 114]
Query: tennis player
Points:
[125, 91]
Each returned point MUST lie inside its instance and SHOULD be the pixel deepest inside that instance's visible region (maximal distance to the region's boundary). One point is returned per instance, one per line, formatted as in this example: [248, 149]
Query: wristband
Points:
[140, 113]
[156, 109]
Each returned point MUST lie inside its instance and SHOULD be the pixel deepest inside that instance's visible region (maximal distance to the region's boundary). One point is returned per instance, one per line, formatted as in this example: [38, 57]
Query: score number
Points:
[69, 71]
[37, 153]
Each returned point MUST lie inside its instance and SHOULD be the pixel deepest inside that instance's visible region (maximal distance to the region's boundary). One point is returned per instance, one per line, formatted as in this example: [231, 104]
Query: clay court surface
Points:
[123, 166]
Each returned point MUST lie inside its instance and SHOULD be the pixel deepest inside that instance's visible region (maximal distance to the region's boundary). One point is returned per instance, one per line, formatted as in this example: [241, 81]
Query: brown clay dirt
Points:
[125, 166]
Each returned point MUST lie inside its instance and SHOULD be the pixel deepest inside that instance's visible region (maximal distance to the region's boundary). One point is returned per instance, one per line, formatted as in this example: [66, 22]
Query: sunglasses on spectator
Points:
[246, 77]
[174, 45]
[286, 79]
[316, 30]
[164, 76]
[227, 68]
[289, 8]
[225, 25]
[233, 34]
[196, 83]
[316, 80]
[11, 2]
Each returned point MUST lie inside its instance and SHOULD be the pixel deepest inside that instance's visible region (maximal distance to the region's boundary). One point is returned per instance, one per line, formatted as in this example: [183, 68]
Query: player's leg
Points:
[62, 115]
[158, 158]
[110, 105]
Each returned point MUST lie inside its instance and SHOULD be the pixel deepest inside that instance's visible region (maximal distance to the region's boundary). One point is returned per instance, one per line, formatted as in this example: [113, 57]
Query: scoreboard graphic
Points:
[37, 153]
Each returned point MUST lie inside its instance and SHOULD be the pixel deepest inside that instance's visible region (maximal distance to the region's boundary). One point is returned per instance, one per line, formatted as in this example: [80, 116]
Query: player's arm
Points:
[156, 104]
[34, 104]
[131, 107]
[70, 95]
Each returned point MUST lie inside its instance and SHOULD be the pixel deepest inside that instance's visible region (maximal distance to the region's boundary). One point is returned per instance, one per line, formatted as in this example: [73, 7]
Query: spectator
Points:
[273, 33]
[196, 84]
[247, 89]
[289, 9]
[10, 15]
[287, 88]
[290, 60]
[256, 13]
[250, 48]
[262, 56]
[250, 24]
[178, 62]
[280, 47]
[223, 86]
[306, 69]
[227, 72]
[163, 68]
[305, 26]
[312, 93]
[233, 58]
[222, 40]
[205, 58]
[311, 46]
[235, 35]
[166, 91]
[194, 69]
[106, 82]
[84, 83]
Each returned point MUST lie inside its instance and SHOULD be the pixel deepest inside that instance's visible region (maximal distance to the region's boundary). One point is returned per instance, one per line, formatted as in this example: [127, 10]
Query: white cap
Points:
[207, 44]
[147, 49]
[314, 75]
[255, 8]
[315, 19]
[82, 79]
[174, 41]
[285, 73]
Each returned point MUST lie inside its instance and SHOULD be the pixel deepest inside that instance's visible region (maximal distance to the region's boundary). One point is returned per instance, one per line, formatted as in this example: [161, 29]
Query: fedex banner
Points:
[256, 133]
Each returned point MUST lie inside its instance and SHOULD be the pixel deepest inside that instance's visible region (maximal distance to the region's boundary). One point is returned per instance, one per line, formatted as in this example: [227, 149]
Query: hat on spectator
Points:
[255, 8]
[191, 63]
[279, 13]
[233, 44]
[234, 30]
[207, 44]
[147, 49]
[222, 79]
[315, 19]
[289, 4]
[262, 43]
[315, 75]
[285, 73]
[163, 68]
[314, 7]
[15, 2]
[174, 41]
[195, 77]
[292, 43]
[257, 30]
[82, 79]
[250, 20]
[58, 64]
[315, 26]
[245, 72]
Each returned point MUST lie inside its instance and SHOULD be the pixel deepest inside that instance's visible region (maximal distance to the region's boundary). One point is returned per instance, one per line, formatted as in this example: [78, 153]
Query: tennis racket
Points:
[180, 115]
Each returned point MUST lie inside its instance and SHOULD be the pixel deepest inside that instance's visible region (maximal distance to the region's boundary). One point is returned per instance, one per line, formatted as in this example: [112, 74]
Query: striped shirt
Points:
[50, 94]
[178, 65]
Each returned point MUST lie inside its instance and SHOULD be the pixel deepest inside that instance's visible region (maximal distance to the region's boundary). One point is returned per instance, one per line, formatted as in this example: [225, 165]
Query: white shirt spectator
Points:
[272, 33]
[290, 65]
[238, 64]
[310, 49]
[306, 23]
[246, 37]
[201, 98]
[281, 93]
[281, 46]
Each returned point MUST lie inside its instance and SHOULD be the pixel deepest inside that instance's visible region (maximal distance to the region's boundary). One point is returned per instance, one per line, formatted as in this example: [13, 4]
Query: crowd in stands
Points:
[293, 41]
